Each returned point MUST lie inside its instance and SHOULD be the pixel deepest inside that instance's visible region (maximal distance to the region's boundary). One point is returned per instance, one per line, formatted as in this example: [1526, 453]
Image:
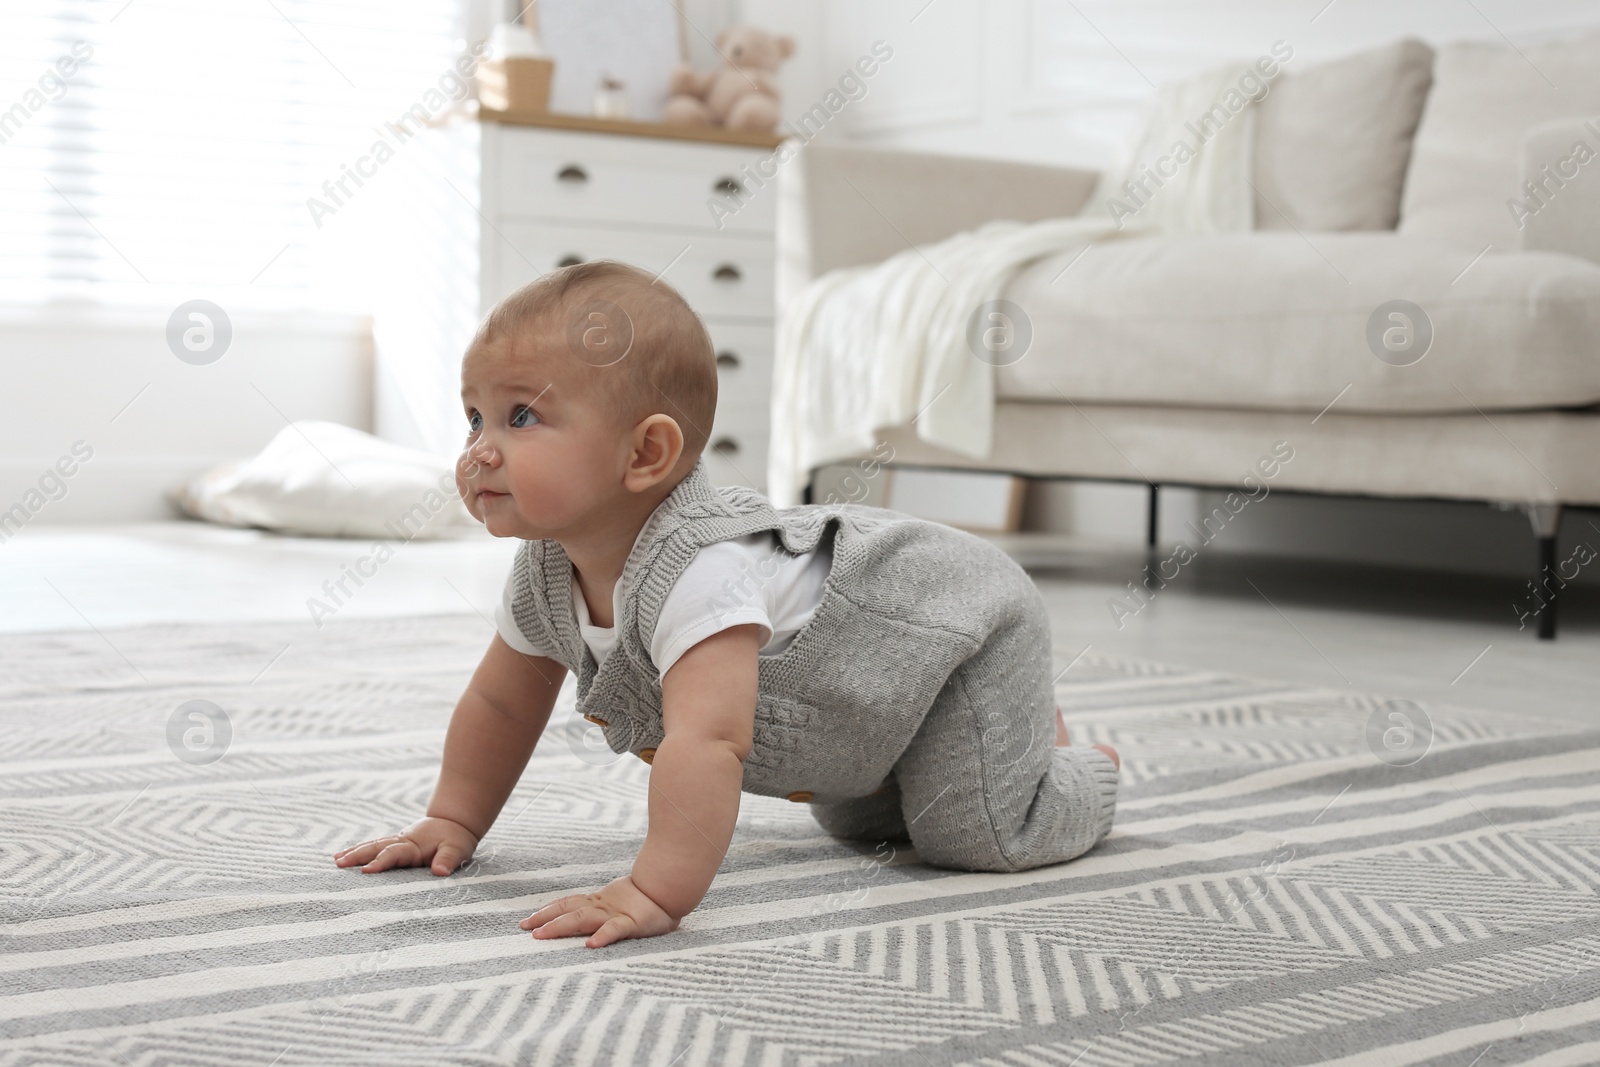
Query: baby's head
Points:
[589, 390]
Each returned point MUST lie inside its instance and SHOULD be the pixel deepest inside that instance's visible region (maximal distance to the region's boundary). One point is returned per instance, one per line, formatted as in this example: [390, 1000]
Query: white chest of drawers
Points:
[541, 198]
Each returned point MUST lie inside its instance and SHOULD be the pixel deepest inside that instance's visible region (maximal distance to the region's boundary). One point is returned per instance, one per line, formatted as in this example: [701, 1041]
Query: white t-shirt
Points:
[751, 579]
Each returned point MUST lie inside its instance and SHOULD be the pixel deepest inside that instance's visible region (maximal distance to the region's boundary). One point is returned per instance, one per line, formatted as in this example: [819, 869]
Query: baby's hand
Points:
[439, 842]
[616, 913]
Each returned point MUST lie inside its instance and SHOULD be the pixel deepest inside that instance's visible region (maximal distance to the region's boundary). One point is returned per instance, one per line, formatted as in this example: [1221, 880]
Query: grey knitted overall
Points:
[916, 702]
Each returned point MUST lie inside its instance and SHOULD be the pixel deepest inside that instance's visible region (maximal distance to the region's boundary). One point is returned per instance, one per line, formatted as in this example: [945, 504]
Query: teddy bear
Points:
[742, 94]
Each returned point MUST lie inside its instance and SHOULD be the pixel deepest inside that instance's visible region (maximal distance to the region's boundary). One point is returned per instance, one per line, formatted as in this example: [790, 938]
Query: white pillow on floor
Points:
[322, 479]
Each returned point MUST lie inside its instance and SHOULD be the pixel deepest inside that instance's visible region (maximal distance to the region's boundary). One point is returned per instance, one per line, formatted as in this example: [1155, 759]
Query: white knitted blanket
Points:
[864, 348]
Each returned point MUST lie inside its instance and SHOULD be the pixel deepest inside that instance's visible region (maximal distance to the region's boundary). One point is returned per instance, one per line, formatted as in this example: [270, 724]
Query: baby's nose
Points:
[480, 452]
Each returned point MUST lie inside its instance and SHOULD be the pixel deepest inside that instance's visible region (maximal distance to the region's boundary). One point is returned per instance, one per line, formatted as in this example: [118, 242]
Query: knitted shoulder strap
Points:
[695, 514]
[541, 600]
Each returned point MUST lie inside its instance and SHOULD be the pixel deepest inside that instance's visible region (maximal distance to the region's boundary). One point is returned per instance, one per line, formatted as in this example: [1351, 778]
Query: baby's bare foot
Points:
[1061, 739]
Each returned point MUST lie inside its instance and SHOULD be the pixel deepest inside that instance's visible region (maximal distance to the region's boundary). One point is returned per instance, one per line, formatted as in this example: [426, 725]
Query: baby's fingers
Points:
[556, 907]
[616, 928]
[447, 859]
[399, 854]
[361, 853]
[582, 921]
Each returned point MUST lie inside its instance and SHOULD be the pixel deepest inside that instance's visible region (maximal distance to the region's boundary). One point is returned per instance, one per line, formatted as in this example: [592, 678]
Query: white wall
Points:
[1056, 82]
[1059, 82]
[109, 380]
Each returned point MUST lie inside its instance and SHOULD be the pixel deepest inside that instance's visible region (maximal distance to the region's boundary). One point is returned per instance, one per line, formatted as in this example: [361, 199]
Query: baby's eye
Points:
[523, 416]
[474, 422]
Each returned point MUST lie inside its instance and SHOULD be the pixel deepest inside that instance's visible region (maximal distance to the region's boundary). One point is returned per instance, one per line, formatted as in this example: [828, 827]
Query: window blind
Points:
[157, 151]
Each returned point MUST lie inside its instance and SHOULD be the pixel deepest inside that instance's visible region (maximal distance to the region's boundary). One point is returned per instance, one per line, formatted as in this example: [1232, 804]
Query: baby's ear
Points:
[657, 447]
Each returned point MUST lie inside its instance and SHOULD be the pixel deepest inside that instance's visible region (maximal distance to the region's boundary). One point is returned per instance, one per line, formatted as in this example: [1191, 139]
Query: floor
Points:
[1429, 637]
[1276, 886]
[1277, 883]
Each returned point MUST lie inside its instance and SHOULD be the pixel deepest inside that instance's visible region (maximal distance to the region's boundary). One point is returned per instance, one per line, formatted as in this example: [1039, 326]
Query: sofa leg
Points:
[1546, 520]
[1153, 516]
[1547, 566]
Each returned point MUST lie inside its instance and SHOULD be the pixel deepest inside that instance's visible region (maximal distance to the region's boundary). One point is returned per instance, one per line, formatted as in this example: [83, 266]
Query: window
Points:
[156, 151]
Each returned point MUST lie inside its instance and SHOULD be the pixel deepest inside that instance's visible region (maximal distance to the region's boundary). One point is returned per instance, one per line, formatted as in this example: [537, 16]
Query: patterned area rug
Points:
[1296, 876]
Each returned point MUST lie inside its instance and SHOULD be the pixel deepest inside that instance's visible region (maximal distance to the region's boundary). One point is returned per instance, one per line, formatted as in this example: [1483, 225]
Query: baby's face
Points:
[543, 454]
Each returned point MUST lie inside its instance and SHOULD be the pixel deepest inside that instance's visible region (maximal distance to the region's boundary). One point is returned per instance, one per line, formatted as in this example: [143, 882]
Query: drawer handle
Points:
[572, 173]
[569, 261]
[727, 359]
[726, 273]
[725, 446]
[728, 187]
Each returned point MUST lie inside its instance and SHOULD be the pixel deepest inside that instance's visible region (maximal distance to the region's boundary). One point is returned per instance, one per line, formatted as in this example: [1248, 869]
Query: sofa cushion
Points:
[1267, 320]
[1467, 159]
[1332, 141]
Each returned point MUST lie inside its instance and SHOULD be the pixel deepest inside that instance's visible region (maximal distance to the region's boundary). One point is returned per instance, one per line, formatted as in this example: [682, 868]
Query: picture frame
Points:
[636, 42]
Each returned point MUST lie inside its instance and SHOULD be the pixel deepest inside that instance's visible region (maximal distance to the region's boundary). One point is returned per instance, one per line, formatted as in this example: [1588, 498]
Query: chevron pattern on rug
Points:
[1273, 891]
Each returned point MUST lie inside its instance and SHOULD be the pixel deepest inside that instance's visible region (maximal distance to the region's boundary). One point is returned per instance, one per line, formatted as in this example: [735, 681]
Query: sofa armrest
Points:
[846, 206]
[1560, 211]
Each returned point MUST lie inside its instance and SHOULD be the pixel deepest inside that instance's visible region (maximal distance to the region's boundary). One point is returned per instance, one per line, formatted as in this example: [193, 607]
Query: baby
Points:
[892, 673]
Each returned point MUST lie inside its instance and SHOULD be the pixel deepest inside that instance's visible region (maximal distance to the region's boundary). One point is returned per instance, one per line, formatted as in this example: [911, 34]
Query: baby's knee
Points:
[967, 853]
[870, 818]
[1069, 812]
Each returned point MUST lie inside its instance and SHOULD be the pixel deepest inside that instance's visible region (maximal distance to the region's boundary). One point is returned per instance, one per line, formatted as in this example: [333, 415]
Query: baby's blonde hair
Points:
[644, 347]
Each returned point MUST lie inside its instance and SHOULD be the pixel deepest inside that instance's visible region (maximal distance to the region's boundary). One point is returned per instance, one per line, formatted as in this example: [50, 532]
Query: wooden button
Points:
[800, 796]
[647, 754]
[600, 722]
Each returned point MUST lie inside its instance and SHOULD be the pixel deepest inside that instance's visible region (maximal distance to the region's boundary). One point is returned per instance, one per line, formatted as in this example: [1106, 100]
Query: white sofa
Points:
[1389, 175]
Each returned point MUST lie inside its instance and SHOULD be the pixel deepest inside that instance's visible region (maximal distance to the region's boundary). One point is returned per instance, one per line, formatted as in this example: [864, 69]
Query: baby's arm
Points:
[492, 733]
[708, 708]
[708, 702]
